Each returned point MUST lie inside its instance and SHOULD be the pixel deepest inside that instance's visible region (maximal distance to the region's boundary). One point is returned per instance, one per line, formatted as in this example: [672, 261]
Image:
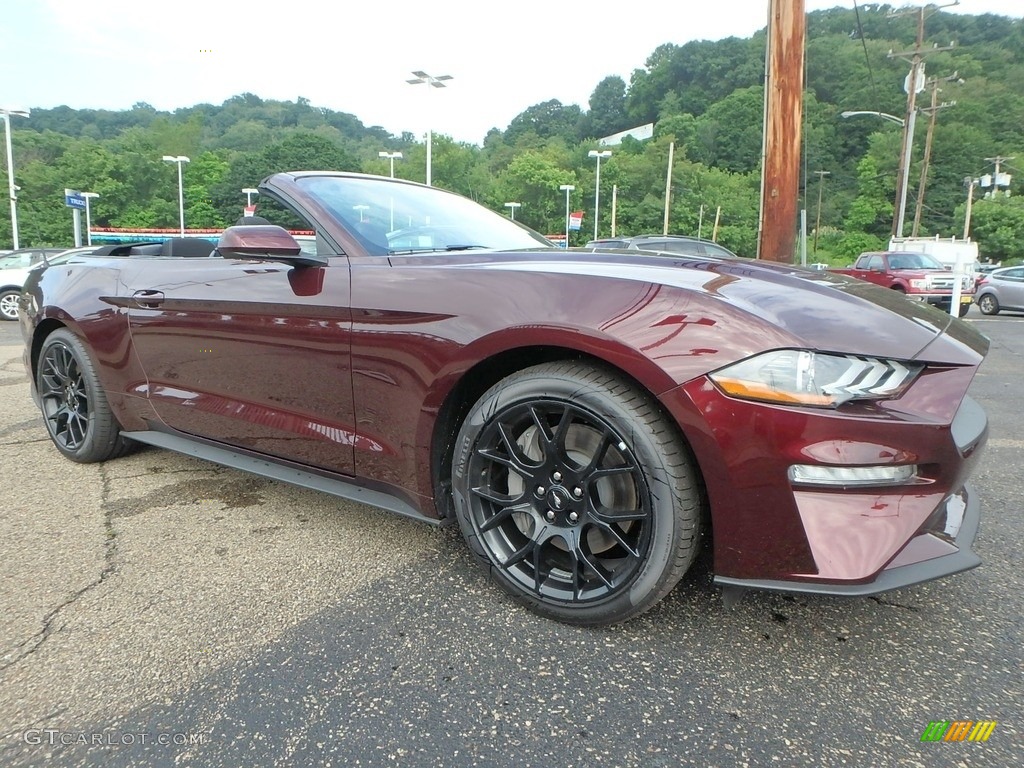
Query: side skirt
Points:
[334, 485]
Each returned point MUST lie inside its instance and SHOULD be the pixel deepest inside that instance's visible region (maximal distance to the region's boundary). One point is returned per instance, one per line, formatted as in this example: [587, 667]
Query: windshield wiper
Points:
[424, 249]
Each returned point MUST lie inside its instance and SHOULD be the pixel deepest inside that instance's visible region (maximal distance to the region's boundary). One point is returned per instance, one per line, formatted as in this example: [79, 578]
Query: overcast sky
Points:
[355, 57]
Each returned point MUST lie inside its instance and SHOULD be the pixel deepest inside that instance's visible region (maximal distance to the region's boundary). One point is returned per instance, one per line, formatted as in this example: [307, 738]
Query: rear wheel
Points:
[988, 304]
[963, 309]
[9, 305]
[576, 493]
[75, 408]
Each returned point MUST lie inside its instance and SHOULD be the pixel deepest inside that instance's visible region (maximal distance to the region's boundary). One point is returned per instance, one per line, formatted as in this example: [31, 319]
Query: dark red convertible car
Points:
[590, 419]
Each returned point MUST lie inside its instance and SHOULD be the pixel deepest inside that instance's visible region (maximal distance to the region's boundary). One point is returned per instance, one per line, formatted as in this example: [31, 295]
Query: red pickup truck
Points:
[918, 275]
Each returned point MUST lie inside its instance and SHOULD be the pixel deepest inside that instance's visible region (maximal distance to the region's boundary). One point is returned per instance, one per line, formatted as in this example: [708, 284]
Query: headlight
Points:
[919, 285]
[801, 377]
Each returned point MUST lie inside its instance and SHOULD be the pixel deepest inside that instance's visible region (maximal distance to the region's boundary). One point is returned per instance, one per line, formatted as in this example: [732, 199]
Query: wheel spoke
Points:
[501, 516]
[581, 557]
[599, 453]
[562, 430]
[485, 492]
[521, 554]
[609, 471]
[615, 532]
[516, 460]
[76, 429]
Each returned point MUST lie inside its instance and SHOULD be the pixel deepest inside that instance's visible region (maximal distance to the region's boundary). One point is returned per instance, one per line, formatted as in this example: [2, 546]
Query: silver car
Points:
[1001, 289]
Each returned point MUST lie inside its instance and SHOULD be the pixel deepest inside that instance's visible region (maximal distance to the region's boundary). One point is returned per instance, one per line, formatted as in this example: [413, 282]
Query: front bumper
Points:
[932, 554]
[771, 533]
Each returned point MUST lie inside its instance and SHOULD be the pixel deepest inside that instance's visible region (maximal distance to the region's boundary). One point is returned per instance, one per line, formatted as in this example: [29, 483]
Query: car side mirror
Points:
[265, 242]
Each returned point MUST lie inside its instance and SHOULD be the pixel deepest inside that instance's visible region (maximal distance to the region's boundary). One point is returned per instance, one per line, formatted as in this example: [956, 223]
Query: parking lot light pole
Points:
[567, 188]
[12, 189]
[512, 209]
[392, 156]
[179, 159]
[905, 154]
[599, 154]
[88, 220]
[436, 82]
[249, 192]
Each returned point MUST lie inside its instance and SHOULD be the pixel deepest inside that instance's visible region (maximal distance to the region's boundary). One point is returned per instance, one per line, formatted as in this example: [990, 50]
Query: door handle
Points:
[148, 299]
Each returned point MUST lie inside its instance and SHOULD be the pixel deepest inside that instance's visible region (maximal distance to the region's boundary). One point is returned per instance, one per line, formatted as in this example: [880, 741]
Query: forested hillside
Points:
[705, 96]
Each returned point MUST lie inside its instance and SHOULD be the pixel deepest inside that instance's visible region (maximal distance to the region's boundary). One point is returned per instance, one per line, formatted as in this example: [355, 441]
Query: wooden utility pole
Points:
[915, 78]
[783, 122]
[933, 84]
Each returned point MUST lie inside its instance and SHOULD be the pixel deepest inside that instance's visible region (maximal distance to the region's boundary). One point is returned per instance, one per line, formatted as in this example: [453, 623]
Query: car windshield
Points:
[914, 261]
[392, 217]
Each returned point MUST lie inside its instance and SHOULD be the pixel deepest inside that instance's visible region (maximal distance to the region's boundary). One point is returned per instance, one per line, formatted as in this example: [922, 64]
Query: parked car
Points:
[1001, 289]
[14, 268]
[690, 246]
[589, 419]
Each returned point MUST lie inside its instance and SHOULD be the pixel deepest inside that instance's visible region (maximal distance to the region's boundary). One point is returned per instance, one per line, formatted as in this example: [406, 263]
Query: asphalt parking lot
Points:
[159, 610]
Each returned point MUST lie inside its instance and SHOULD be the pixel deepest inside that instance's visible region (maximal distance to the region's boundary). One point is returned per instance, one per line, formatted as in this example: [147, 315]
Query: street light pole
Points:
[512, 209]
[905, 154]
[567, 188]
[249, 192]
[179, 159]
[13, 190]
[392, 156]
[88, 220]
[437, 82]
[817, 224]
[599, 154]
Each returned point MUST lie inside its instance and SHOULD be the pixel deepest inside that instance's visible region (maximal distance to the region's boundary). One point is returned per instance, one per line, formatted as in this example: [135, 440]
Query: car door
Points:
[253, 354]
[1012, 287]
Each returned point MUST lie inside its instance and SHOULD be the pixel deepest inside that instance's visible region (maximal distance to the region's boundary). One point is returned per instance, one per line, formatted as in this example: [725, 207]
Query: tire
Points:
[576, 493]
[75, 408]
[9, 304]
[963, 309]
[988, 304]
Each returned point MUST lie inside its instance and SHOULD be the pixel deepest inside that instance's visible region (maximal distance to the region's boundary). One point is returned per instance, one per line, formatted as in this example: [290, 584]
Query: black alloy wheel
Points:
[559, 484]
[75, 409]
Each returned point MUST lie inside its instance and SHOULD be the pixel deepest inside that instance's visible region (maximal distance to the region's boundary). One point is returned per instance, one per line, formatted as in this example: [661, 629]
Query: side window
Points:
[1015, 274]
[873, 262]
[714, 250]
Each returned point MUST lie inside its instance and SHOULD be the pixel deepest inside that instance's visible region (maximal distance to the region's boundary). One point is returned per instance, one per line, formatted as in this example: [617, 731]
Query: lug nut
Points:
[577, 492]
[573, 517]
[540, 490]
[550, 516]
[556, 476]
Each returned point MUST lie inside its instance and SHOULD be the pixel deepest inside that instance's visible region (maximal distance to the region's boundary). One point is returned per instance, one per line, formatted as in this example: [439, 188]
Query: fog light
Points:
[817, 474]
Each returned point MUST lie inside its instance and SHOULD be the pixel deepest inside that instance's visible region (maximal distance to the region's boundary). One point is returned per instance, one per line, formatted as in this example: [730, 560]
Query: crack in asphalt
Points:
[883, 601]
[34, 643]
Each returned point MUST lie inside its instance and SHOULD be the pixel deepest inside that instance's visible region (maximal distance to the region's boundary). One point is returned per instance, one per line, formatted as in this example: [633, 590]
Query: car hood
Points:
[818, 309]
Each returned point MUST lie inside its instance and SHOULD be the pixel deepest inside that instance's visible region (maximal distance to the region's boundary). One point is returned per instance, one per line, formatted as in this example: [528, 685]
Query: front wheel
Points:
[577, 493]
[9, 305]
[75, 408]
[988, 304]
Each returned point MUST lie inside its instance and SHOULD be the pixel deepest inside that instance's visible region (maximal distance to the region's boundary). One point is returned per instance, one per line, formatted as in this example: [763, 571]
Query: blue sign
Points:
[73, 199]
